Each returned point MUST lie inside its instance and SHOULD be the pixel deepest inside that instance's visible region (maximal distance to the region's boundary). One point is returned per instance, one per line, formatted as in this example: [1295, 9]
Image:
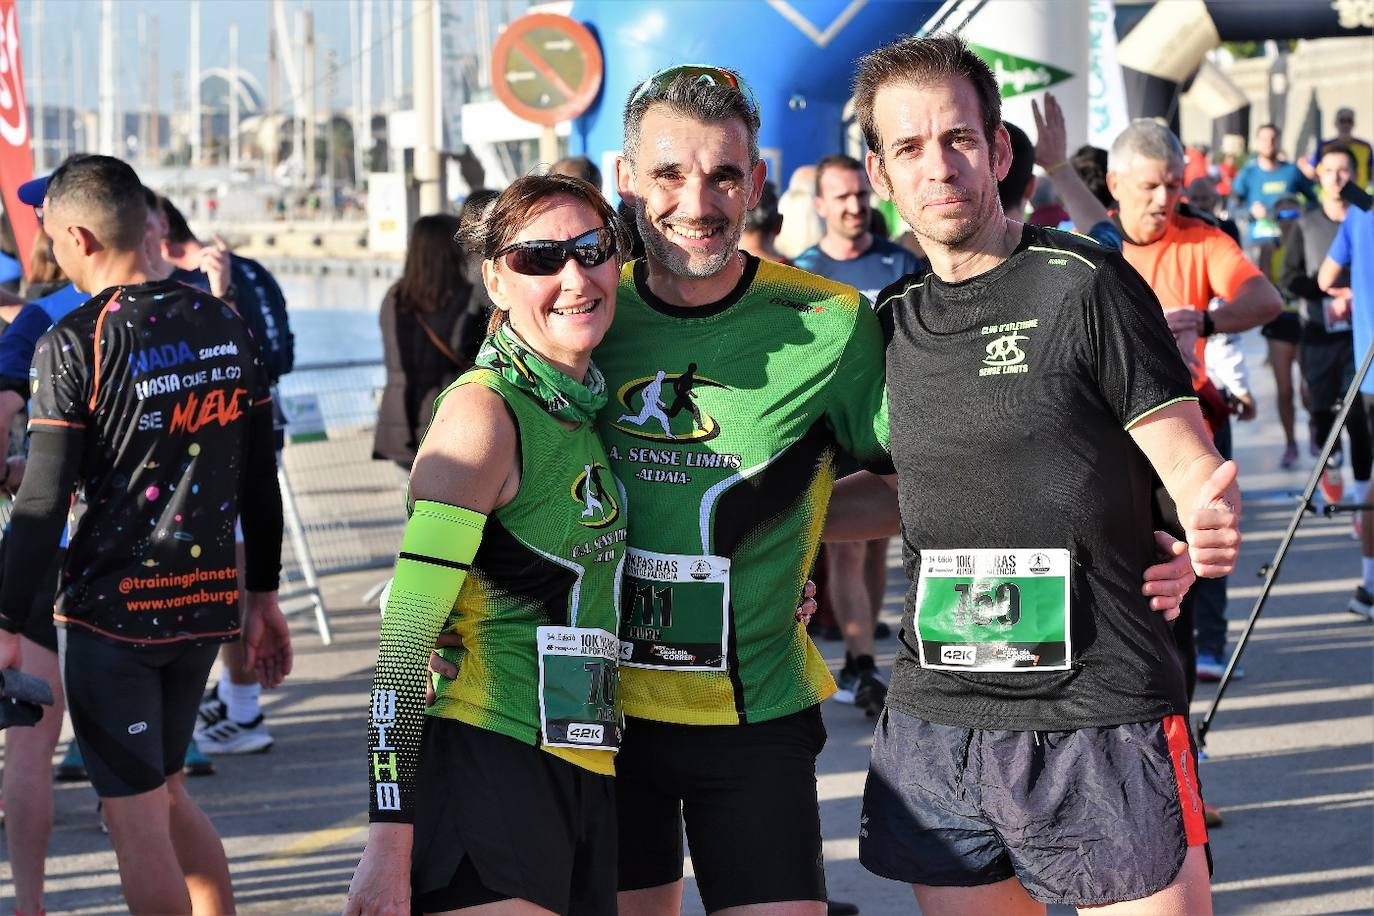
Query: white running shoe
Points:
[845, 682]
[211, 709]
[229, 737]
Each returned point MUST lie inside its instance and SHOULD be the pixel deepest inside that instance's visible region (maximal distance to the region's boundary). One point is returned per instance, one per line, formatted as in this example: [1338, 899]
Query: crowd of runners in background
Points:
[1271, 245]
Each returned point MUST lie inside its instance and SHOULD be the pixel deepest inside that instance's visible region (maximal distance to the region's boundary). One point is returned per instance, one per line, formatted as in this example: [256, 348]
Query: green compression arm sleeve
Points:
[436, 552]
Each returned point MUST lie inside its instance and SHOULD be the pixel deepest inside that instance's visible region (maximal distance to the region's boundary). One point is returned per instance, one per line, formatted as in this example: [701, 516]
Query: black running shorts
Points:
[499, 819]
[1083, 818]
[748, 796]
[133, 708]
[1287, 328]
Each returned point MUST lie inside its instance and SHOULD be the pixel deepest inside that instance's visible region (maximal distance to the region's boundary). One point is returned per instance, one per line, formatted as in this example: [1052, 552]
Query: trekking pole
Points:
[1270, 571]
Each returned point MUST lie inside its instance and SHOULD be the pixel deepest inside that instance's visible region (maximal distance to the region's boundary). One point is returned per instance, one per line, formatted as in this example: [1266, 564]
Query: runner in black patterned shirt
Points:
[150, 397]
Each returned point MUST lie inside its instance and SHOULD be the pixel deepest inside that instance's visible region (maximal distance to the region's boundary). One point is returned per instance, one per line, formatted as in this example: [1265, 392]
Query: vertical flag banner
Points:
[16, 155]
[1107, 115]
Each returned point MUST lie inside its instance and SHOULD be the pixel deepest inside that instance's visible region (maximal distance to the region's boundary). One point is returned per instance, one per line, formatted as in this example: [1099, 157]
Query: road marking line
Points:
[316, 841]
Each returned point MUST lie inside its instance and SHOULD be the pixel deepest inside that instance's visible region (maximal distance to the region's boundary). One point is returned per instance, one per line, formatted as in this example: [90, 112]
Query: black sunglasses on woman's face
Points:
[545, 257]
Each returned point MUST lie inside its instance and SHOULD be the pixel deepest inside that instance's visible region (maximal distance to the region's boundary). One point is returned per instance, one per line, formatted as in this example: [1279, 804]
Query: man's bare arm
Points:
[1257, 302]
[863, 507]
[1052, 155]
[1177, 444]
[1328, 274]
[10, 406]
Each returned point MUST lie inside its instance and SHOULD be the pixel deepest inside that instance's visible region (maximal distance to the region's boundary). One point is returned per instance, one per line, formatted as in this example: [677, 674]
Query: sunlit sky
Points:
[71, 30]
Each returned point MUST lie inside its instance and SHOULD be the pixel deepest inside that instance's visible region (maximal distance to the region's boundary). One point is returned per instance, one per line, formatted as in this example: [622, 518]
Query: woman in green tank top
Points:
[500, 791]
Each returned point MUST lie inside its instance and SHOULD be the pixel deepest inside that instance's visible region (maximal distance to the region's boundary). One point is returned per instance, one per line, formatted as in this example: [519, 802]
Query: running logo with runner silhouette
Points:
[666, 400]
[651, 406]
[589, 490]
[682, 390]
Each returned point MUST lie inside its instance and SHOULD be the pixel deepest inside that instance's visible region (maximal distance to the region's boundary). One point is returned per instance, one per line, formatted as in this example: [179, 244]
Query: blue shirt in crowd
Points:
[1354, 248]
[1254, 183]
[10, 268]
[21, 337]
[883, 263]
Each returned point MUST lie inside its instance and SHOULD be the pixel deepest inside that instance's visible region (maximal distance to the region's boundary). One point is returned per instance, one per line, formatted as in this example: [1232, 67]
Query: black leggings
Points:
[1356, 430]
[1328, 367]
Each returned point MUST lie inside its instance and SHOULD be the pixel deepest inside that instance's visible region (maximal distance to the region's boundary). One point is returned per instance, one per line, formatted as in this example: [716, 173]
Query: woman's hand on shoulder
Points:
[469, 455]
[381, 884]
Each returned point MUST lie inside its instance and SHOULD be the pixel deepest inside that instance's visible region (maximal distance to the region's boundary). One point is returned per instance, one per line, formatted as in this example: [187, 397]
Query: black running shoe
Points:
[871, 693]
[1361, 603]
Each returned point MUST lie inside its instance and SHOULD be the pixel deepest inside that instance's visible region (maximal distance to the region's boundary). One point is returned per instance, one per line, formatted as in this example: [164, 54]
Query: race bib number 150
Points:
[994, 610]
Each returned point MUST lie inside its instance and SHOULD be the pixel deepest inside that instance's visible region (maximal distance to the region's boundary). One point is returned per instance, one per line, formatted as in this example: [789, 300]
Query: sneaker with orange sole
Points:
[1332, 485]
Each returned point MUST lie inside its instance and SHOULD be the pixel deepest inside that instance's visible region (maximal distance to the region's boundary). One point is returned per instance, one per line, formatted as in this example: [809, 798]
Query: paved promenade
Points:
[1290, 759]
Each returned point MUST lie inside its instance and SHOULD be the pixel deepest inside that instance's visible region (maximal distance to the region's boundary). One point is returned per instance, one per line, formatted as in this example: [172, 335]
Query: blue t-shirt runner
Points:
[883, 264]
[1256, 184]
[1354, 248]
[20, 338]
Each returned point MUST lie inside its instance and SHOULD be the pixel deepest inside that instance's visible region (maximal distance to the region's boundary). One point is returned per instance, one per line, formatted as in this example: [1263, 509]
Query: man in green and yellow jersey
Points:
[731, 382]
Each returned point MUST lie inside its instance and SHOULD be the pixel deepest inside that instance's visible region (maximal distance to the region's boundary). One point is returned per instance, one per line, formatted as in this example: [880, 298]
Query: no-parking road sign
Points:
[546, 68]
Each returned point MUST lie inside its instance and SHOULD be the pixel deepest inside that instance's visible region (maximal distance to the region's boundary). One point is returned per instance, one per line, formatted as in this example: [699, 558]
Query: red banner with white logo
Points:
[16, 154]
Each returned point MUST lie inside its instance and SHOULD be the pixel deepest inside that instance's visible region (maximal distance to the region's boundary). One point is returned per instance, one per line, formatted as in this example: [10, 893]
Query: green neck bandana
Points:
[566, 399]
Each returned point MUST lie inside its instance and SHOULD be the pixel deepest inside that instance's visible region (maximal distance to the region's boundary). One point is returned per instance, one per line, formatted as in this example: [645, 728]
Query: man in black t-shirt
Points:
[149, 397]
[1033, 386]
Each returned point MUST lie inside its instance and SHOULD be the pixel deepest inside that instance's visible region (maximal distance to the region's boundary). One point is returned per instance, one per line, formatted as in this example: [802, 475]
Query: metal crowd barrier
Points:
[343, 510]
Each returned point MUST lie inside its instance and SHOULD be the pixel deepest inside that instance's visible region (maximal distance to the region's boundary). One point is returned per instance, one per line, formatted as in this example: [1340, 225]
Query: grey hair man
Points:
[766, 372]
[1188, 262]
[691, 223]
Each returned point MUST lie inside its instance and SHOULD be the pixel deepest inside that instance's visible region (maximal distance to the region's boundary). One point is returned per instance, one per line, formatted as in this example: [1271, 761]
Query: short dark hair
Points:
[578, 167]
[518, 203]
[107, 195]
[1090, 162]
[1340, 149]
[837, 161]
[178, 232]
[1012, 189]
[922, 61]
[765, 218]
[695, 98]
[1269, 125]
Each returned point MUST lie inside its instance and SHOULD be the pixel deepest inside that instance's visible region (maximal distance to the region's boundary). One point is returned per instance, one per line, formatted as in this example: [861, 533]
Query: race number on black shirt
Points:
[161, 378]
[1026, 506]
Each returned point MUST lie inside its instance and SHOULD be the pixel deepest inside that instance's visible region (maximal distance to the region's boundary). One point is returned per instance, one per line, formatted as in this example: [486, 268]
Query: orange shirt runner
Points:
[1192, 262]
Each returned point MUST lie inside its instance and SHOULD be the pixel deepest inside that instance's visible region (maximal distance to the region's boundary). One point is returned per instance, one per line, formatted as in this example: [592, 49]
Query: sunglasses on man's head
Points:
[545, 257]
[658, 84]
